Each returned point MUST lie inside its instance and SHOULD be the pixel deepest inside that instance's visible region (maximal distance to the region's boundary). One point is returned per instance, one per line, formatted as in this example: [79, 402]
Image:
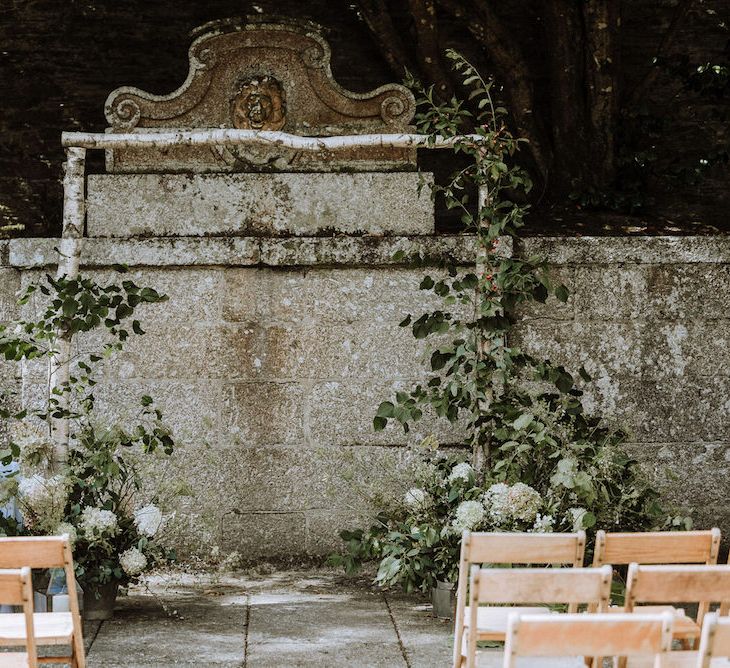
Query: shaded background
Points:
[59, 61]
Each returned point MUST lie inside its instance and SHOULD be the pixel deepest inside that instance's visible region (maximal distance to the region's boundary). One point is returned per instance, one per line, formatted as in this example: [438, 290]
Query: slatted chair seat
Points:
[51, 628]
[56, 628]
[492, 621]
[684, 626]
[14, 660]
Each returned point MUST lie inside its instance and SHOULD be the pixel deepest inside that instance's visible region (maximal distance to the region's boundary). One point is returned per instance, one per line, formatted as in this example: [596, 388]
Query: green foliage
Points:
[101, 471]
[525, 422]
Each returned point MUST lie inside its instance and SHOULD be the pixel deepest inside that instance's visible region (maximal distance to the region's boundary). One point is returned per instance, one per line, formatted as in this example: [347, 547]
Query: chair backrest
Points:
[678, 584]
[715, 641]
[511, 548]
[16, 588]
[47, 552]
[657, 547]
[596, 635]
[522, 586]
[524, 548]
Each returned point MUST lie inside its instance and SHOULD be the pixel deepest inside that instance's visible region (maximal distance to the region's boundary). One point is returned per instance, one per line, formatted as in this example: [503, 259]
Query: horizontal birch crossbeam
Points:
[207, 137]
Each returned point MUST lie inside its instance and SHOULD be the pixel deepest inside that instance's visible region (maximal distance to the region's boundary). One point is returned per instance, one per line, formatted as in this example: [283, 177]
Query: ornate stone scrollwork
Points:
[261, 74]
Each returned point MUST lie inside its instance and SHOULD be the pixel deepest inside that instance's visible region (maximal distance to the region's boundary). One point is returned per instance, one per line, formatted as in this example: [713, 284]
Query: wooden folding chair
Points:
[51, 628]
[509, 548]
[16, 588]
[657, 547]
[569, 635]
[678, 584]
[714, 649]
[524, 586]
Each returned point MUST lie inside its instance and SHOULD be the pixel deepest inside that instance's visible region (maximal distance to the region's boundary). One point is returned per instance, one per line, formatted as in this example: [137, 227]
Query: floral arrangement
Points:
[68, 472]
[97, 500]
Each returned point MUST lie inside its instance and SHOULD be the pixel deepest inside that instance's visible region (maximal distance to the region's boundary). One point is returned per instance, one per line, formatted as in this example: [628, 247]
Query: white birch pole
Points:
[69, 254]
[208, 137]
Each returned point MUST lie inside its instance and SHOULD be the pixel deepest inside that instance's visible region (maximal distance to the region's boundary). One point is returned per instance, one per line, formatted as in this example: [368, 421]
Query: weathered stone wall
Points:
[649, 318]
[272, 354]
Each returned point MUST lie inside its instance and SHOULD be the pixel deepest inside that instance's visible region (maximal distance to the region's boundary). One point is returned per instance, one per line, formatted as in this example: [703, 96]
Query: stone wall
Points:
[649, 318]
[272, 354]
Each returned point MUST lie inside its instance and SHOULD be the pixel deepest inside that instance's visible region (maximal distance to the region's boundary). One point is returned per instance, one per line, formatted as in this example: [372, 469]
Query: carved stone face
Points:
[260, 104]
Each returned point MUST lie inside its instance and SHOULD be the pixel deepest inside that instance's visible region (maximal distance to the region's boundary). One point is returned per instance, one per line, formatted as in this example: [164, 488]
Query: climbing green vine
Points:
[539, 461]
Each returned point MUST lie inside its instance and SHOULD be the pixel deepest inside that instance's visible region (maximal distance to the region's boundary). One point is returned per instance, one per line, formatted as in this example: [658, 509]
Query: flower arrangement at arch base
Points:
[84, 481]
[97, 500]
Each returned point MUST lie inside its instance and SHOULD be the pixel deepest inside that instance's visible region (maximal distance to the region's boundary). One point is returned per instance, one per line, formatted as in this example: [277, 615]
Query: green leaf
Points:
[561, 293]
[386, 410]
[523, 421]
[379, 423]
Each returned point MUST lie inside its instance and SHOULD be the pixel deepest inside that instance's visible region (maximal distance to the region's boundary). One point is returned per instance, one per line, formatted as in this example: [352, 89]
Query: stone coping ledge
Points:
[631, 250]
[361, 251]
[246, 251]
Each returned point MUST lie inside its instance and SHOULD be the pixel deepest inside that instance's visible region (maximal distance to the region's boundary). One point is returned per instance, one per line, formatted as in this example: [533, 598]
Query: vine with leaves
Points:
[523, 416]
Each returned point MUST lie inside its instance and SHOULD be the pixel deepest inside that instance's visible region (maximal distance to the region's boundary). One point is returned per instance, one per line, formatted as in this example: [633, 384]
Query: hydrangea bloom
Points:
[524, 502]
[417, 498]
[495, 500]
[576, 516]
[43, 500]
[70, 529]
[148, 520]
[133, 562]
[469, 515]
[95, 523]
[461, 471]
[543, 524]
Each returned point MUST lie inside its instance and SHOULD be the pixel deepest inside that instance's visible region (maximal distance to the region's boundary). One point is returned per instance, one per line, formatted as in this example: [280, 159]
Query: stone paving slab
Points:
[280, 620]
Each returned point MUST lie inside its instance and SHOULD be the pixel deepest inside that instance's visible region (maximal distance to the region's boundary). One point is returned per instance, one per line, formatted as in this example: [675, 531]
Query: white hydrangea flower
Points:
[96, 523]
[148, 520]
[495, 501]
[469, 515]
[524, 502]
[133, 562]
[70, 529]
[36, 448]
[43, 500]
[461, 471]
[543, 524]
[417, 498]
[576, 516]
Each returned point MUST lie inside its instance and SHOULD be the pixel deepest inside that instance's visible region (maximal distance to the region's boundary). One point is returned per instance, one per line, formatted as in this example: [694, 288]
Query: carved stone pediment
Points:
[268, 75]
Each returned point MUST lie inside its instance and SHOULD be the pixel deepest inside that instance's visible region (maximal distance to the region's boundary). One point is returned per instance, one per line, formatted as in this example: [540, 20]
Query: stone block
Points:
[191, 409]
[324, 526]
[342, 351]
[675, 349]
[690, 476]
[261, 535]
[191, 350]
[604, 348]
[690, 291]
[612, 292]
[9, 286]
[553, 309]
[369, 296]
[170, 205]
[264, 413]
[340, 413]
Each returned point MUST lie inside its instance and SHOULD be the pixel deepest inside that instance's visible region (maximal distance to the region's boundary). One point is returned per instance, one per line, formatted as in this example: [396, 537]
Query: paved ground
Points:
[312, 618]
